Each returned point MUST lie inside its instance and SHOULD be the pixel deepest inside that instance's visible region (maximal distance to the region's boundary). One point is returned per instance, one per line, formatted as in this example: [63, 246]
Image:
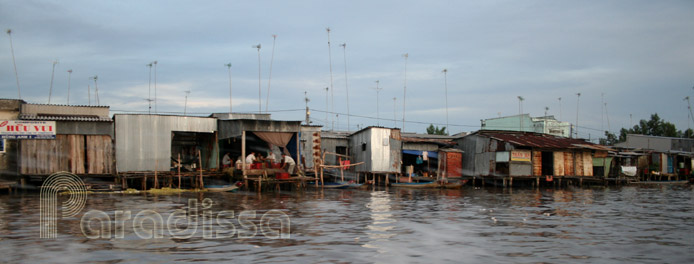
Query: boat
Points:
[222, 188]
[417, 185]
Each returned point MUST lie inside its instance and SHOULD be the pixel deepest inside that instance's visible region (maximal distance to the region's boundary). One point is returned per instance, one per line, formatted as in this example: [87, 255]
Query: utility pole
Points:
[50, 90]
[69, 77]
[16, 76]
[229, 67]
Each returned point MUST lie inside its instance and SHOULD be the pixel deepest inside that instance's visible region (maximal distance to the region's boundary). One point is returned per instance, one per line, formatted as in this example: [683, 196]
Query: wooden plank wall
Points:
[578, 158]
[559, 163]
[569, 164]
[587, 164]
[537, 163]
[74, 153]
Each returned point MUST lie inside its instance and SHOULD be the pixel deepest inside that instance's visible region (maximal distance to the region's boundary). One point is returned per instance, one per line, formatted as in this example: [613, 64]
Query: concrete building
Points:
[525, 123]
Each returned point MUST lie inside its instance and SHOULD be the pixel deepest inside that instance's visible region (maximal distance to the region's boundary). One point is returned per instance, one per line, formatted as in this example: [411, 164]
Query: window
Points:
[2, 145]
[363, 146]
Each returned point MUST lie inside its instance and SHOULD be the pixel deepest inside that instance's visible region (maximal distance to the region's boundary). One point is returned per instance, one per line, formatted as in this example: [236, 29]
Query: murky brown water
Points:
[613, 225]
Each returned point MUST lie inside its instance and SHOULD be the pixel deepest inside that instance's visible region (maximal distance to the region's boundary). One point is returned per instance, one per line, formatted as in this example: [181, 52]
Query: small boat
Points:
[418, 185]
[452, 185]
[222, 188]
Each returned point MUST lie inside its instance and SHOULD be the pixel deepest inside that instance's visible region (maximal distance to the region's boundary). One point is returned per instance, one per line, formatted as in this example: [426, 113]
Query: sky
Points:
[635, 56]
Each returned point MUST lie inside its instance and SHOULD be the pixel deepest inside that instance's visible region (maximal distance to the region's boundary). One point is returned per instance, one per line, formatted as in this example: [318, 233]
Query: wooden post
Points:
[298, 153]
[156, 179]
[387, 179]
[243, 158]
[200, 161]
[144, 183]
[179, 170]
[342, 173]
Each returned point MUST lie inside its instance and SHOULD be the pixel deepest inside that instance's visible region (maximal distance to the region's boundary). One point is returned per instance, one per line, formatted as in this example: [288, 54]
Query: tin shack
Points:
[155, 143]
[420, 154]
[77, 139]
[380, 149]
[508, 154]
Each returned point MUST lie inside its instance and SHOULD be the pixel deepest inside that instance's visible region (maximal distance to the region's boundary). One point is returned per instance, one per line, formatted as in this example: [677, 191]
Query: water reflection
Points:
[382, 221]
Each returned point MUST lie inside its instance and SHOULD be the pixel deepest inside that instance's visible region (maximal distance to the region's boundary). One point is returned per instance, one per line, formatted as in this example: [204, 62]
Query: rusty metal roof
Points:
[538, 140]
[82, 118]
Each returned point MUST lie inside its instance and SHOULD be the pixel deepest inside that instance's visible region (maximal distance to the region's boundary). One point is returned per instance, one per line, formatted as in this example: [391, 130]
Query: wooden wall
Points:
[78, 154]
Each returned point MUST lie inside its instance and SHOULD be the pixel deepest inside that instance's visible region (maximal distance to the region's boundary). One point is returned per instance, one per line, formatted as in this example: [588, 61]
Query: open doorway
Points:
[547, 163]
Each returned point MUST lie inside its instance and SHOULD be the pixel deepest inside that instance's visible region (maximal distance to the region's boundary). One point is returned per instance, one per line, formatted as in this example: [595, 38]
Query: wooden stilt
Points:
[202, 185]
[156, 179]
[179, 170]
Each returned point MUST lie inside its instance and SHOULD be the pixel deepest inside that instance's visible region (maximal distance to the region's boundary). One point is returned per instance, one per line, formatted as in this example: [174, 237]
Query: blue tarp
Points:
[431, 154]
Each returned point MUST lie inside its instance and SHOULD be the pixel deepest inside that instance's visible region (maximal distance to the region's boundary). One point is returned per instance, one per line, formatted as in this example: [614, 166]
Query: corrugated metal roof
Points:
[64, 118]
[538, 140]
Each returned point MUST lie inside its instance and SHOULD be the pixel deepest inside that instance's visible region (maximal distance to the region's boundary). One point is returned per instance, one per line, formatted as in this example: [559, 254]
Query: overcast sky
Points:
[639, 54]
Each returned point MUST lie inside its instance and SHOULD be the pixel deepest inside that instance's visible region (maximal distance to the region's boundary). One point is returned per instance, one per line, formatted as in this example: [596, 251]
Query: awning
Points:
[430, 154]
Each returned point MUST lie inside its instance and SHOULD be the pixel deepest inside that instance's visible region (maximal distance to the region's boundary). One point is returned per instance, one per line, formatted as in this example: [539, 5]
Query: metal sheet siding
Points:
[145, 140]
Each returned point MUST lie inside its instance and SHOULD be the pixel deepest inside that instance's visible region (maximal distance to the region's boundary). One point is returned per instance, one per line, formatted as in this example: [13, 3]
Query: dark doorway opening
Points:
[547, 163]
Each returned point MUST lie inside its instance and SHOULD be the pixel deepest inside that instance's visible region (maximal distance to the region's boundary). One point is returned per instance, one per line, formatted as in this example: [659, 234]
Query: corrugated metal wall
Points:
[145, 140]
[310, 145]
[382, 154]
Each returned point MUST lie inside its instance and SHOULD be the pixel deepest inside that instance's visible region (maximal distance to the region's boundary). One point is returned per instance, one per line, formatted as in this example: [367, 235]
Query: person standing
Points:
[289, 163]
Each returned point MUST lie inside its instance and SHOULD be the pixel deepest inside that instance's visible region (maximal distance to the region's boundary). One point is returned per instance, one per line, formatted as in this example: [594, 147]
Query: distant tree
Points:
[435, 130]
[653, 127]
[609, 139]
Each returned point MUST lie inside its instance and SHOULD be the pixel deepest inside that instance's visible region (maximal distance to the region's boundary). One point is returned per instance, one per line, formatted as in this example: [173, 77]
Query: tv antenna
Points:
[50, 89]
[185, 104]
[96, 88]
[272, 58]
[378, 90]
[69, 77]
[228, 65]
[14, 63]
[259, 100]
[344, 50]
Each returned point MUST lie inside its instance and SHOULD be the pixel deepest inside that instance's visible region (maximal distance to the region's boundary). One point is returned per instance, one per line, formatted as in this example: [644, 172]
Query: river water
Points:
[470, 225]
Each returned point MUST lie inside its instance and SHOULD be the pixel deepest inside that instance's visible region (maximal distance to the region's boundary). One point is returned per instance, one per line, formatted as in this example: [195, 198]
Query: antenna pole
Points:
[332, 90]
[96, 90]
[404, 94]
[50, 89]
[69, 77]
[16, 76]
[89, 94]
[344, 50]
[155, 86]
[395, 118]
[229, 67]
[185, 104]
[272, 58]
[378, 90]
[259, 100]
[306, 100]
[149, 93]
[445, 81]
[578, 97]
[326, 106]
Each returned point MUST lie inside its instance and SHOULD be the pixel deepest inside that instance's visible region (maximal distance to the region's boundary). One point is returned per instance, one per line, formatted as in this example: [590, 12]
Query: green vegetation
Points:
[435, 130]
[653, 127]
